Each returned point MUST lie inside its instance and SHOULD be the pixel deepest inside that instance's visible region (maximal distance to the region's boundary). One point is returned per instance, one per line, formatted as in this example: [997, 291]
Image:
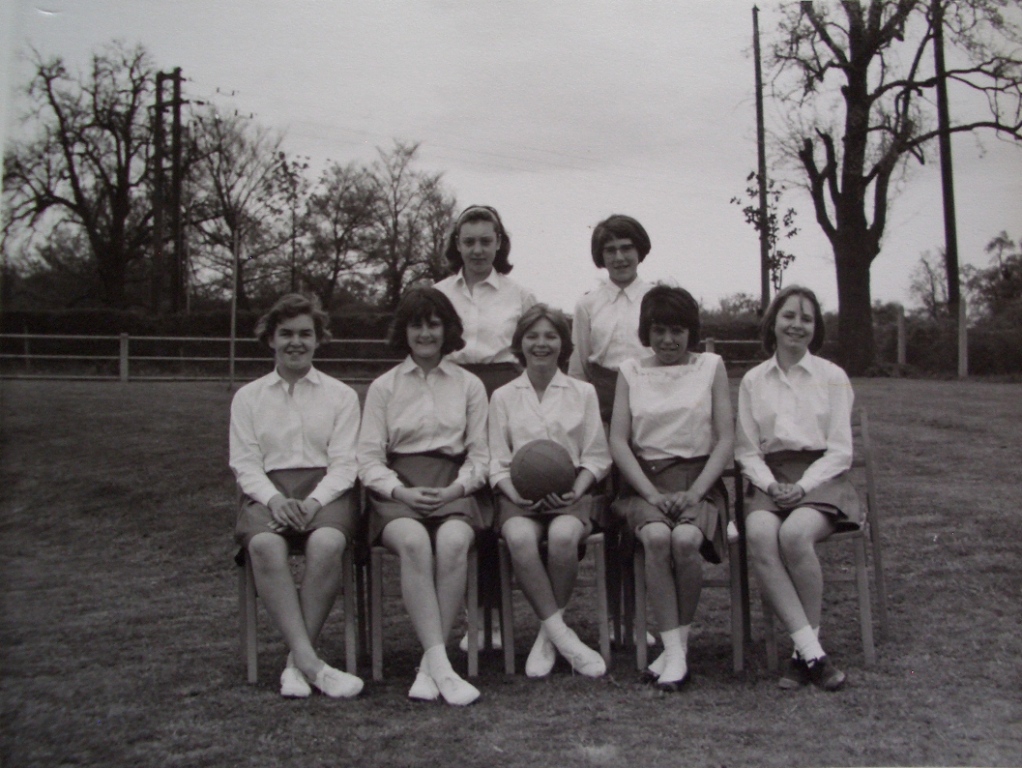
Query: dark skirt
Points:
[253, 517]
[494, 375]
[710, 515]
[604, 380]
[836, 498]
[587, 509]
[422, 470]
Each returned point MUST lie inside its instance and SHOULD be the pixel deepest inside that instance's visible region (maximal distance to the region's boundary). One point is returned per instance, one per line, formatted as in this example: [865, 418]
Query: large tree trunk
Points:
[855, 311]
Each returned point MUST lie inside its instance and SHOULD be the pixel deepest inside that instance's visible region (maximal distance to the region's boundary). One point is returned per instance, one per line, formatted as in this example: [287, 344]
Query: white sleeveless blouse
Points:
[672, 407]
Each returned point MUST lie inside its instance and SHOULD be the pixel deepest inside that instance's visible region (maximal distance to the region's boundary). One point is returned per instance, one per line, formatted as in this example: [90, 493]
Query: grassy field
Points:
[119, 645]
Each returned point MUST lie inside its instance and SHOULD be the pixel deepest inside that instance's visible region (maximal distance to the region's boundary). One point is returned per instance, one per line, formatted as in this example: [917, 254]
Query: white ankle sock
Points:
[807, 644]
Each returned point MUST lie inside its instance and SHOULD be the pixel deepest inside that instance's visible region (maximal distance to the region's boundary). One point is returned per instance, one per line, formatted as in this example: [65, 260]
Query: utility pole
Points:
[156, 284]
[176, 223]
[764, 234]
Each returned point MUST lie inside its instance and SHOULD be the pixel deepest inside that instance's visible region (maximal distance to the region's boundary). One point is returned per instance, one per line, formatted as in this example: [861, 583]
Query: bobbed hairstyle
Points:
[421, 304]
[767, 333]
[479, 213]
[618, 227]
[669, 305]
[533, 315]
[289, 306]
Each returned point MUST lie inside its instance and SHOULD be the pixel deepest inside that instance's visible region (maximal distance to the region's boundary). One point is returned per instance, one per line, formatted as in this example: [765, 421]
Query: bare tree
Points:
[235, 201]
[928, 285]
[411, 207]
[88, 165]
[341, 215]
[857, 80]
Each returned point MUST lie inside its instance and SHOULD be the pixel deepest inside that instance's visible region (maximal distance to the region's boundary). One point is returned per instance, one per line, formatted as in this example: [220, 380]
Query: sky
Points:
[558, 113]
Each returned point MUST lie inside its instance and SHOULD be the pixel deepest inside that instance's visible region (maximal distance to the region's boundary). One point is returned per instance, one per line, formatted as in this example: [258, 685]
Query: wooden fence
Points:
[125, 358]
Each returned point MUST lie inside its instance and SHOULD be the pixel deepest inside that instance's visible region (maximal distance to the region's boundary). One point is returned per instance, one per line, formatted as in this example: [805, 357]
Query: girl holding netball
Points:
[544, 403]
[795, 448]
[671, 436]
[422, 455]
[606, 319]
[292, 450]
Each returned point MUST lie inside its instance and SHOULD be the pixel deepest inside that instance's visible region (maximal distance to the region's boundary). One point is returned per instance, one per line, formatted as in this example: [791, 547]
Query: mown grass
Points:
[119, 647]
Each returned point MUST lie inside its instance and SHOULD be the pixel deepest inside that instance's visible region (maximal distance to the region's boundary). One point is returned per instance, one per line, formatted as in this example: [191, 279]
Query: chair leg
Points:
[770, 636]
[350, 612]
[628, 596]
[599, 556]
[507, 616]
[472, 612]
[640, 626]
[247, 604]
[881, 584]
[737, 601]
[612, 559]
[376, 611]
[865, 611]
[362, 600]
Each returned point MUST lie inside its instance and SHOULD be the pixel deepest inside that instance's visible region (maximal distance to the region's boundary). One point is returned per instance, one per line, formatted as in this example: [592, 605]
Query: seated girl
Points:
[422, 455]
[544, 403]
[292, 450]
[671, 436]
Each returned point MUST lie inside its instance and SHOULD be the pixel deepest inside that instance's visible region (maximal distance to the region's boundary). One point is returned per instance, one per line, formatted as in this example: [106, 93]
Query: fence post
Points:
[901, 336]
[710, 345]
[963, 340]
[123, 367]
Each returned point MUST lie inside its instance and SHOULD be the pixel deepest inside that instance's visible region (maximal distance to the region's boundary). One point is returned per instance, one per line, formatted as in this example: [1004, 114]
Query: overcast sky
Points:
[558, 113]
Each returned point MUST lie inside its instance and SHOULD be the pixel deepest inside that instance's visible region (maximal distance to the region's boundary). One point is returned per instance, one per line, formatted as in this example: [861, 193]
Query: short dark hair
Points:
[766, 329]
[618, 227]
[418, 305]
[669, 305]
[479, 213]
[293, 305]
[533, 315]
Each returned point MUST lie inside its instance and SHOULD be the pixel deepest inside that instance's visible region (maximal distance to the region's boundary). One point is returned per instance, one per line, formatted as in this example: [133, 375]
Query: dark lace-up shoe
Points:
[824, 674]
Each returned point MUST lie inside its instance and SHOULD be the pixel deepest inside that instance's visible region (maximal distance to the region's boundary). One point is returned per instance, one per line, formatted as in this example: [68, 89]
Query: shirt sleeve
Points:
[246, 456]
[581, 340]
[837, 457]
[499, 440]
[342, 462]
[595, 451]
[747, 452]
[472, 475]
[372, 444]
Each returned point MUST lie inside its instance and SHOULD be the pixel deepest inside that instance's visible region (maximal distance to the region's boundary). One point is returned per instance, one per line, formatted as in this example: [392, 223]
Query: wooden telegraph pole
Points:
[764, 238]
[955, 306]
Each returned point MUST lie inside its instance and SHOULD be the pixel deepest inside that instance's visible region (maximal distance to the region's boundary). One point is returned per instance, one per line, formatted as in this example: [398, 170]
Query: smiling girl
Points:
[795, 448]
[671, 436]
[292, 450]
[422, 455]
[544, 403]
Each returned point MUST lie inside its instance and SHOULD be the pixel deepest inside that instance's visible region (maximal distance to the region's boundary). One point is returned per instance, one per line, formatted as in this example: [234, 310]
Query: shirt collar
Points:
[313, 377]
[805, 363]
[409, 366]
[633, 291]
[560, 379]
[492, 279]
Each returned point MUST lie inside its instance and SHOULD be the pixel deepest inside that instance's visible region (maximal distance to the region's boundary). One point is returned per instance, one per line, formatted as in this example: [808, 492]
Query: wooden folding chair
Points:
[736, 581]
[247, 612]
[863, 476]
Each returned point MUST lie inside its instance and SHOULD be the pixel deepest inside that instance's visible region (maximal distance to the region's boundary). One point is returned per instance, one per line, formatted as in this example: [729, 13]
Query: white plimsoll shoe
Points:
[582, 658]
[541, 658]
[293, 684]
[337, 684]
[423, 689]
[455, 689]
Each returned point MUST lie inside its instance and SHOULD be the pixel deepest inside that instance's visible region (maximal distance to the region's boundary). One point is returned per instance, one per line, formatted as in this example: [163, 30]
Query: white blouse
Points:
[408, 412]
[489, 312]
[568, 414]
[672, 407]
[605, 328]
[809, 408]
[317, 426]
